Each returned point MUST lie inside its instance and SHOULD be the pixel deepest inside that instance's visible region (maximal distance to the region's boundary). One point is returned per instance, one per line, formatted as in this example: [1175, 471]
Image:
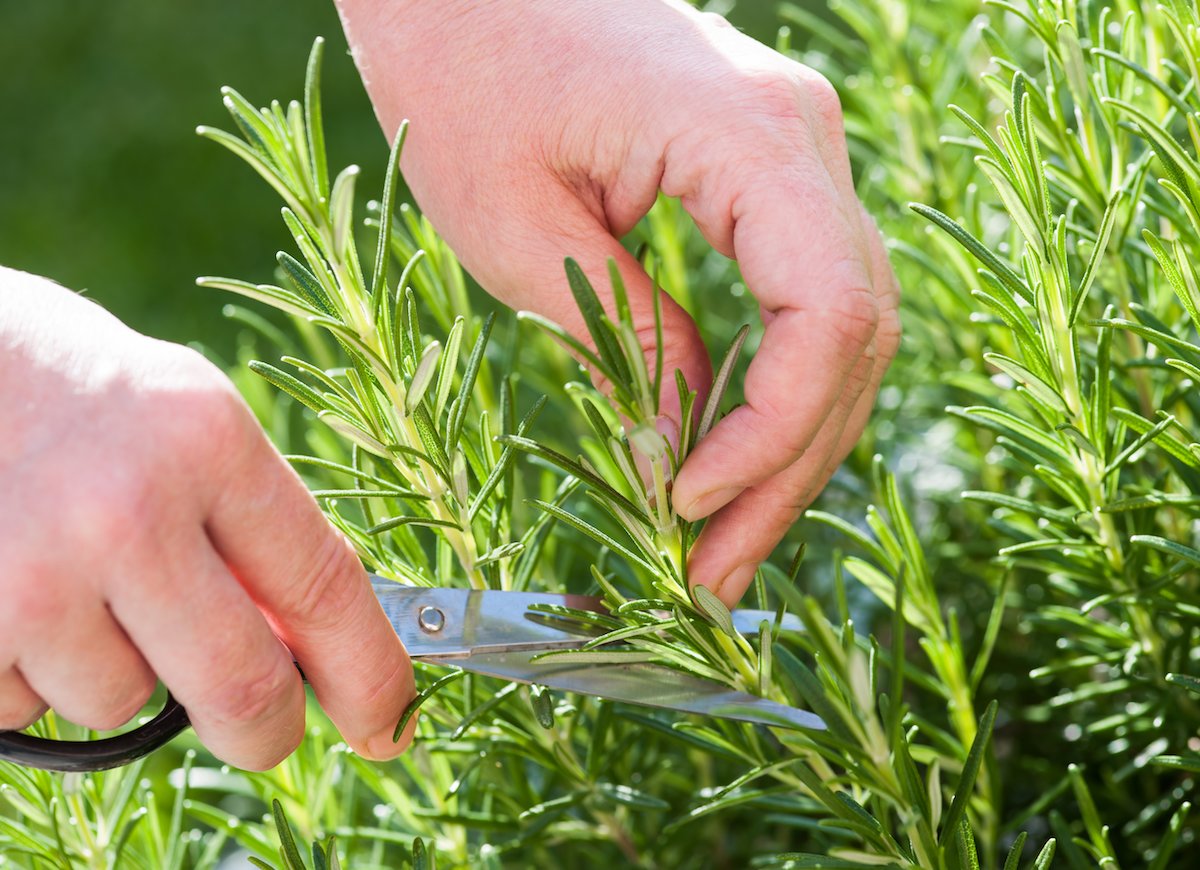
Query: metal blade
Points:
[748, 621]
[455, 622]
[640, 683]
[459, 622]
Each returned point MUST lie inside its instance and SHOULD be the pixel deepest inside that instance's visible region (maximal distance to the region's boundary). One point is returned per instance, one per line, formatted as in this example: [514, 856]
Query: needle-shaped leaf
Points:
[467, 387]
[594, 533]
[658, 346]
[1103, 234]
[594, 319]
[1173, 268]
[308, 285]
[397, 522]
[314, 123]
[1041, 390]
[597, 657]
[294, 387]
[977, 249]
[1013, 861]
[287, 840]
[276, 297]
[1171, 548]
[427, 432]
[712, 607]
[577, 347]
[596, 418]
[1046, 857]
[355, 433]
[341, 209]
[447, 367]
[250, 122]
[543, 705]
[422, 377]
[423, 696]
[721, 383]
[629, 632]
[575, 469]
[386, 206]
[630, 797]
[504, 463]
[368, 493]
[966, 781]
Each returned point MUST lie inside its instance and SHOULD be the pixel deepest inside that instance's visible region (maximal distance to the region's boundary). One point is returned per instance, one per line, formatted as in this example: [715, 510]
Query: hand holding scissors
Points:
[493, 633]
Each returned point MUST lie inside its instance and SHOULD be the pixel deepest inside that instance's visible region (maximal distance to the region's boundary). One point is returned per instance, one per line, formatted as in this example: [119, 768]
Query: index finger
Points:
[310, 585]
[805, 263]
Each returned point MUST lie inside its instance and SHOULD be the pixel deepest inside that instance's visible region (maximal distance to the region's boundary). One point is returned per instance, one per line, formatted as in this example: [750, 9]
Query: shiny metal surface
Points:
[477, 621]
[647, 685]
[486, 632]
[496, 634]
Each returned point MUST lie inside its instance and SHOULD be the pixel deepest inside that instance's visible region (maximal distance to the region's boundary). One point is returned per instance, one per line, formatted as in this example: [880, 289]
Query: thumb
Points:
[530, 275]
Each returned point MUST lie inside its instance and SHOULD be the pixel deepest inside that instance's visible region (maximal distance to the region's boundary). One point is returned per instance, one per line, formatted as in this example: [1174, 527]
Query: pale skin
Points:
[149, 529]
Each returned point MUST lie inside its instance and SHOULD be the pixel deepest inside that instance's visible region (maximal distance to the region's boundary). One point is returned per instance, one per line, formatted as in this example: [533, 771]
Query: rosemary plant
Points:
[407, 437]
[998, 634]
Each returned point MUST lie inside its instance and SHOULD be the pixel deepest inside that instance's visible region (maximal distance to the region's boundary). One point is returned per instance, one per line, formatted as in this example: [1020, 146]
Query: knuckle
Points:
[887, 336]
[327, 585]
[113, 513]
[860, 376]
[123, 703]
[775, 93]
[200, 408]
[794, 442]
[796, 93]
[108, 717]
[383, 691]
[855, 315]
[19, 707]
[772, 413]
[212, 420]
[36, 600]
[716, 21]
[381, 687]
[822, 100]
[251, 697]
[18, 717]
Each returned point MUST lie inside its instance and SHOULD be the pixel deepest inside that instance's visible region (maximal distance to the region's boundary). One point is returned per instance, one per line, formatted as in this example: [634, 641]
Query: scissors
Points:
[490, 632]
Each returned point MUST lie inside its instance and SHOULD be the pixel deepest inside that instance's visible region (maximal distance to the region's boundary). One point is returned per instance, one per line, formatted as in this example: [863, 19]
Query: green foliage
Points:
[998, 636]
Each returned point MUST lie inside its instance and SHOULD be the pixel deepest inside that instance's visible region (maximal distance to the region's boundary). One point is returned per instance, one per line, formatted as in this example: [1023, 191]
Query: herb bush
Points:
[998, 629]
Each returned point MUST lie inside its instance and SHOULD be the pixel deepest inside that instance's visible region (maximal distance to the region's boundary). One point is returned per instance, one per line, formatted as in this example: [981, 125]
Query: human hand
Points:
[148, 527]
[545, 128]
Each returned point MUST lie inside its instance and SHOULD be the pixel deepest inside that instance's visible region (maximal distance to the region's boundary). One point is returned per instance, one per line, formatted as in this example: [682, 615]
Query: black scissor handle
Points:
[75, 756]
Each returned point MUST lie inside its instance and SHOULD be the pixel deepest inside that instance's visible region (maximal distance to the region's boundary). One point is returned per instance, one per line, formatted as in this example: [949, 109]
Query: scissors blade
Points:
[441, 622]
[647, 685]
[460, 622]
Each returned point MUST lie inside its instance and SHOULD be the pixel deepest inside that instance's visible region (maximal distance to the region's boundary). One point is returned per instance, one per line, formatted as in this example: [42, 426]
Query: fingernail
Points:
[708, 503]
[734, 585]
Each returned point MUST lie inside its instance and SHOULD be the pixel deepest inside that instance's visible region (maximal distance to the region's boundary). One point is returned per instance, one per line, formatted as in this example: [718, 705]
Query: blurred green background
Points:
[103, 184]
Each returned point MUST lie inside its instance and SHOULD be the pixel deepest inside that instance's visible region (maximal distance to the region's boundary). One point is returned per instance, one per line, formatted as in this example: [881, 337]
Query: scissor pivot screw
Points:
[431, 619]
